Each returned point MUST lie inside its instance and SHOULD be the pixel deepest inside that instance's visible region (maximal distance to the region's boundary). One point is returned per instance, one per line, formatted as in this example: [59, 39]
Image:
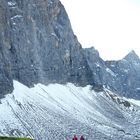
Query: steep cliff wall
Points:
[37, 44]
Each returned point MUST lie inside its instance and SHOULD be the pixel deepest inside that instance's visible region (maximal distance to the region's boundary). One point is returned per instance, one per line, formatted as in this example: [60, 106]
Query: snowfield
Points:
[136, 102]
[60, 111]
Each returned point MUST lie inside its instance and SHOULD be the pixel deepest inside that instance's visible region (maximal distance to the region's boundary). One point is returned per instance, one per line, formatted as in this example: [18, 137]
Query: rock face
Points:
[103, 76]
[127, 73]
[37, 44]
[5, 68]
[121, 76]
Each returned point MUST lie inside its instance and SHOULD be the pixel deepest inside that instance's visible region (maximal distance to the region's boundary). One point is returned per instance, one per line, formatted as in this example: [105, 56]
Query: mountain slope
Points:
[103, 76]
[122, 76]
[127, 73]
[13, 138]
[59, 111]
[37, 45]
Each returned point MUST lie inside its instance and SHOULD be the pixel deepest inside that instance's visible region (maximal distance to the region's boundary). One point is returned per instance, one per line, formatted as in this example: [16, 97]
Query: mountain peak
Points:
[92, 51]
[132, 56]
[132, 52]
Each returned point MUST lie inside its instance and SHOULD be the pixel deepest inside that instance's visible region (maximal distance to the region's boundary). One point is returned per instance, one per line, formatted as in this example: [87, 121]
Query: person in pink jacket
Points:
[75, 137]
[82, 138]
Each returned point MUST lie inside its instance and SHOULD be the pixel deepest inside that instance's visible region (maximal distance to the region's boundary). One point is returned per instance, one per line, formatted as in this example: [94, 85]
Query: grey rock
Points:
[128, 75]
[38, 45]
[5, 69]
[103, 76]
[122, 77]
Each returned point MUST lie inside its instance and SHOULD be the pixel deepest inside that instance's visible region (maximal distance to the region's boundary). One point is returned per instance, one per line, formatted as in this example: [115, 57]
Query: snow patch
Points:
[136, 102]
[17, 16]
[97, 64]
[10, 3]
[110, 71]
[126, 70]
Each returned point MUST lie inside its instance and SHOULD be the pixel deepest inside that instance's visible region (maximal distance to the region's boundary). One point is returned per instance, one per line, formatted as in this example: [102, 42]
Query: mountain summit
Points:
[132, 57]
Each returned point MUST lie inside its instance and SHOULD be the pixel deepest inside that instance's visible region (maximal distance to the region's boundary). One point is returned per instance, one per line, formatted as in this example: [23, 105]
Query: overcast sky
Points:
[111, 26]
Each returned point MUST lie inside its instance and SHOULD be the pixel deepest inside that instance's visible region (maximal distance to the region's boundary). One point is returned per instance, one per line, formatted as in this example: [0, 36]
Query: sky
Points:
[111, 26]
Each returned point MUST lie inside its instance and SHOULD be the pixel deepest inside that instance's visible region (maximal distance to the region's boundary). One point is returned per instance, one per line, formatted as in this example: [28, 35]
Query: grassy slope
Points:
[12, 138]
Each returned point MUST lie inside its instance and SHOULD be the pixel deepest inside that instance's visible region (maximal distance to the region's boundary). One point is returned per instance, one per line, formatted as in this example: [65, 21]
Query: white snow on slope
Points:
[136, 102]
[110, 71]
[54, 111]
[16, 16]
[71, 98]
[10, 3]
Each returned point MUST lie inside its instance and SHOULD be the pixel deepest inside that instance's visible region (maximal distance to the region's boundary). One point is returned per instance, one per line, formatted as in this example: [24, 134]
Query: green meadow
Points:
[13, 138]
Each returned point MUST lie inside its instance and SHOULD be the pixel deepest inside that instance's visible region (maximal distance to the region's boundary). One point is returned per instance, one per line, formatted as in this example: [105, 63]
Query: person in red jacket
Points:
[82, 138]
[75, 138]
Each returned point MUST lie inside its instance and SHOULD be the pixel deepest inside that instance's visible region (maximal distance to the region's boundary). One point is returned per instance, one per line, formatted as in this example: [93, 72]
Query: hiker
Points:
[82, 138]
[75, 138]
